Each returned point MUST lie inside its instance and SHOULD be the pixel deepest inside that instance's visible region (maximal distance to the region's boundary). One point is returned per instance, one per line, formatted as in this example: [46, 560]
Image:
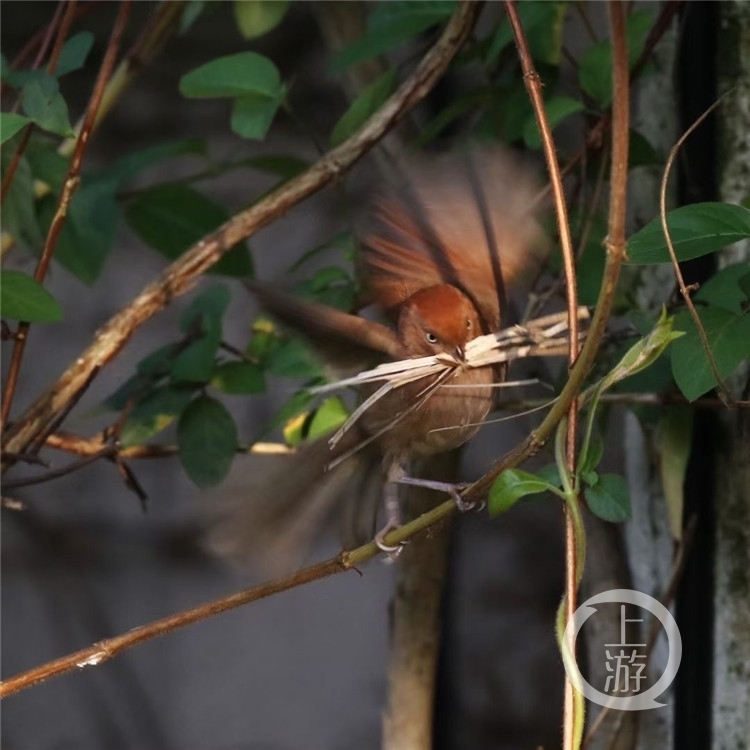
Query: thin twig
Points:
[534, 88]
[183, 274]
[106, 649]
[81, 446]
[724, 393]
[70, 185]
[14, 484]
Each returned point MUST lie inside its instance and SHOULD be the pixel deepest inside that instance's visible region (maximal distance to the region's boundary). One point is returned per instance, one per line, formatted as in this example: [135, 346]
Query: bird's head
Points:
[439, 319]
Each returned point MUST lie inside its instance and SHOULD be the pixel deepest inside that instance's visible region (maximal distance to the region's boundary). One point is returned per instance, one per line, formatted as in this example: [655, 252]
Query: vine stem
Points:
[724, 393]
[107, 649]
[573, 718]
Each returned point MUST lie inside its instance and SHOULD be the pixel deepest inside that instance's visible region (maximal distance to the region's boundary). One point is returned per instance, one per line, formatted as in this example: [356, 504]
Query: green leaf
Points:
[159, 361]
[550, 474]
[589, 274]
[517, 110]
[696, 230]
[128, 167]
[152, 368]
[10, 124]
[363, 107]
[242, 74]
[293, 359]
[74, 53]
[252, 115]
[23, 298]
[724, 289]
[19, 217]
[132, 390]
[294, 407]
[729, 338]
[265, 340]
[239, 378]
[203, 320]
[190, 14]
[42, 102]
[329, 416]
[511, 486]
[154, 413]
[206, 440]
[595, 68]
[558, 109]
[589, 462]
[590, 478]
[640, 151]
[172, 218]
[609, 498]
[392, 24]
[675, 437]
[394, 13]
[46, 163]
[89, 233]
[332, 286]
[257, 17]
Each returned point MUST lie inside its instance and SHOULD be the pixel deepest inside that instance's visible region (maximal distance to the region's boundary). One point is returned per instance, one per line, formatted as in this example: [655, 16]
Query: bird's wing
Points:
[465, 219]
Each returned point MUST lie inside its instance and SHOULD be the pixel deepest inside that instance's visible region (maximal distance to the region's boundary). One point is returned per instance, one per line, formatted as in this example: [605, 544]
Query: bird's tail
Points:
[271, 508]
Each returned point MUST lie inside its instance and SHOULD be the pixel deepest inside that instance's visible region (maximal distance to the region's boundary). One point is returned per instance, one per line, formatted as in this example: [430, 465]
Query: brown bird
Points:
[437, 255]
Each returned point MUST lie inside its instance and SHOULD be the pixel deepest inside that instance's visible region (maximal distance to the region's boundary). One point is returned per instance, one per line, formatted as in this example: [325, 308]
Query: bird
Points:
[437, 253]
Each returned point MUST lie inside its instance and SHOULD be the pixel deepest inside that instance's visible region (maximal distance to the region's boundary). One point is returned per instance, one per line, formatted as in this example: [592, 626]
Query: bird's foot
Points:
[392, 521]
[453, 489]
[392, 551]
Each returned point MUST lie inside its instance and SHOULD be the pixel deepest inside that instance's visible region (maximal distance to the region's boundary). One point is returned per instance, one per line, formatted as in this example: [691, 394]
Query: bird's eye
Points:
[431, 337]
[468, 325]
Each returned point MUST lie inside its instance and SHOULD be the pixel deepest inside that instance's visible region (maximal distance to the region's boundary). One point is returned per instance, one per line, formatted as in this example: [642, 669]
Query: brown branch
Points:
[70, 185]
[14, 484]
[107, 649]
[81, 446]
[183, 274]
[534, 88]
[724, 393]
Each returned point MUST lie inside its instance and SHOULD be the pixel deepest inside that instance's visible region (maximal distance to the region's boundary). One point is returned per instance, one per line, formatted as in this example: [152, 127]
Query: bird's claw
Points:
[392, 551]
[464, 506]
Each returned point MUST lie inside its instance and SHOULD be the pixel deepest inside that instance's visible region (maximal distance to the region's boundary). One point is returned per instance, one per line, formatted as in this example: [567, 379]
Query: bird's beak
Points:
[460, 353]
